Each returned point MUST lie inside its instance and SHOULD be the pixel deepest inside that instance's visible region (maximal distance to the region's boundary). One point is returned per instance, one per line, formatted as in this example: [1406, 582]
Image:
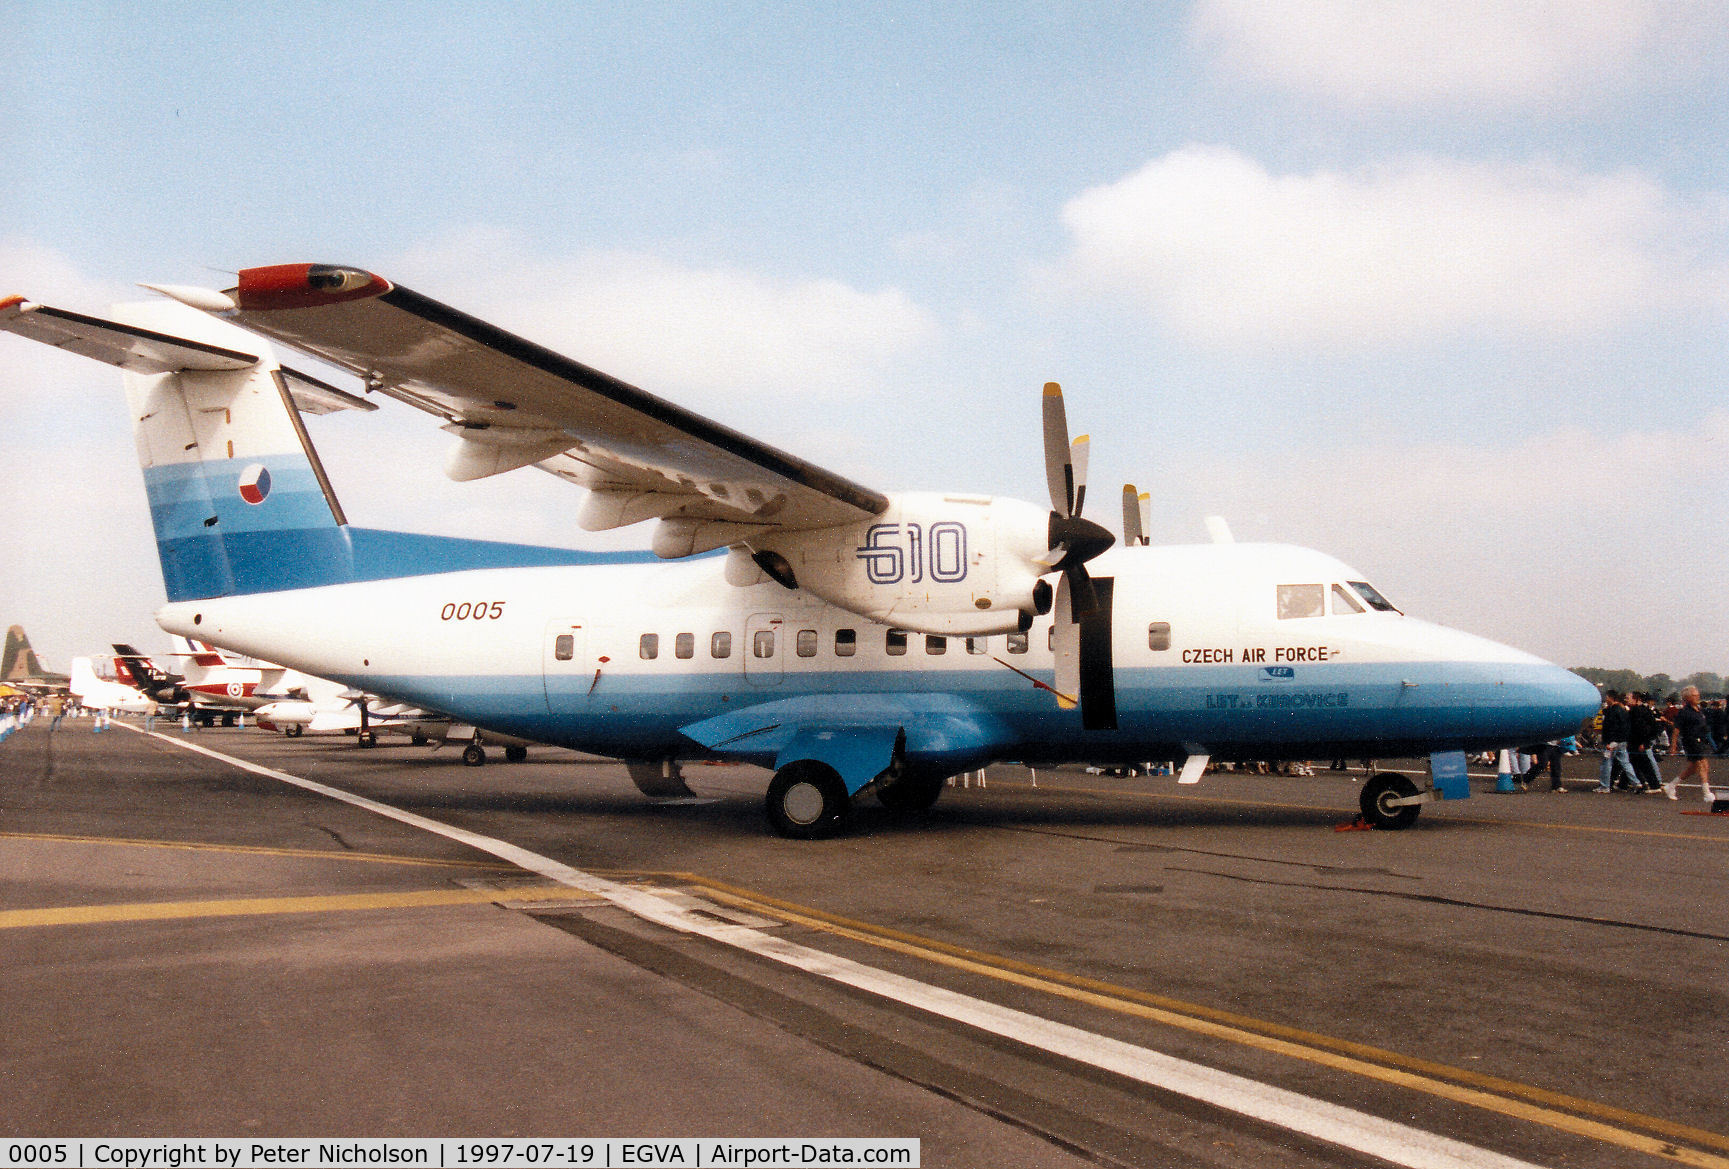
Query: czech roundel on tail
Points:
[846, 638]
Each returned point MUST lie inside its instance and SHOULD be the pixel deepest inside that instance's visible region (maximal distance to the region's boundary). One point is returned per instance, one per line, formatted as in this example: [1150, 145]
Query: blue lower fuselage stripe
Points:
[1382, 710]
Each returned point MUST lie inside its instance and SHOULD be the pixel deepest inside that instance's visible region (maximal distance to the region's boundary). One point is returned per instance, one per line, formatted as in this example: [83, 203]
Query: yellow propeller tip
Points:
[1053, 390]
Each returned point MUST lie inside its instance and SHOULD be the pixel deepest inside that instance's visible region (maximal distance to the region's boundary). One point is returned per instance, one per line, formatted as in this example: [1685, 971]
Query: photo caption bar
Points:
[453, 1153]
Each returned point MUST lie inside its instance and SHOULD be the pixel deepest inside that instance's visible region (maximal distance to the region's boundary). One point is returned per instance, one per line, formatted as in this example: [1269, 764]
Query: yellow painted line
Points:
[261, 906]
[255, 850]
[1491, 1093]
[1715, 838]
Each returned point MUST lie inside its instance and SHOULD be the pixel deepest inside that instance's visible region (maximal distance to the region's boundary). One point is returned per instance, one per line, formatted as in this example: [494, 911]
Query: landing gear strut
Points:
[807, 801]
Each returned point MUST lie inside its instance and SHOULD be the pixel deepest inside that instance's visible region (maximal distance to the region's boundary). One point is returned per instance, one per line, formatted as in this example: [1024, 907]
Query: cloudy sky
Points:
[1442, 290]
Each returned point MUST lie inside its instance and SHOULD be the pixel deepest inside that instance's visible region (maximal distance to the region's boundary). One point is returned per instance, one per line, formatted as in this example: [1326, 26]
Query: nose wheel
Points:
[1384, 801]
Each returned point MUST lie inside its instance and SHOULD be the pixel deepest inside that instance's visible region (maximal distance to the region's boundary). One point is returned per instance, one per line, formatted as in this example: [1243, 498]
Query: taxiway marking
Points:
[1508, 1097]
[249, 850]
[263, 906]
[1376, 1136]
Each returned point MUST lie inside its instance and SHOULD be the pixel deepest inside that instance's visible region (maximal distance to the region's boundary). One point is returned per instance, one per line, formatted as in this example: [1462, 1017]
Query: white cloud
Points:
[1508, 53]
[1584, 547]
[678, 330]
[1226, 253]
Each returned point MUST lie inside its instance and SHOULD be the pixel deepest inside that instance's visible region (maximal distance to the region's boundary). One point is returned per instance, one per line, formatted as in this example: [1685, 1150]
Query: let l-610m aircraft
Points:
[846, 638]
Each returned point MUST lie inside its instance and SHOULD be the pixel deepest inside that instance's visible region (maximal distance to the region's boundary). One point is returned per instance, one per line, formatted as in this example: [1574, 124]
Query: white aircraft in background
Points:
[97, 693]
[846, 638]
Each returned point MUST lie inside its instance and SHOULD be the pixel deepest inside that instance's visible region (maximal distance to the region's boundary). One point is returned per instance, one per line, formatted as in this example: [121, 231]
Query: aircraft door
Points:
[763, 649]
[569, 675]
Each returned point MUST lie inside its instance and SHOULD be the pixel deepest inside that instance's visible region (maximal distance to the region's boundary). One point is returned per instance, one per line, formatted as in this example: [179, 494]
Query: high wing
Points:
[512, 403]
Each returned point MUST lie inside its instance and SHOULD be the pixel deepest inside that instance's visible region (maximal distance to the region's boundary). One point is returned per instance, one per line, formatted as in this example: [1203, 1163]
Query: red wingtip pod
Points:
[305, 286]
[7, 302]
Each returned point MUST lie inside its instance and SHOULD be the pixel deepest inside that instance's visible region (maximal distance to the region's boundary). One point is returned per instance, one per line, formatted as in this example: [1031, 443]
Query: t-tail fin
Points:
[238, 498]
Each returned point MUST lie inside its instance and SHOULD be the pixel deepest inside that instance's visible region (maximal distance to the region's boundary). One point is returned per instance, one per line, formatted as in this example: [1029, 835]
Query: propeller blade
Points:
[1059, 474]
[1085, 598]
[1079, 451]
[1146, 509]
[1066, 641]
[1132, 526]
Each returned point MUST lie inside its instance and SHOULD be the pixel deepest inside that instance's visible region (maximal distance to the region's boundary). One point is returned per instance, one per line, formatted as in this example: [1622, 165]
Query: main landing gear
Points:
[1390, 800]
[807, 801]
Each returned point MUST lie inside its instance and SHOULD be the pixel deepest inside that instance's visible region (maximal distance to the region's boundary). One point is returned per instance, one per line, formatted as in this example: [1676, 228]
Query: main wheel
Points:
[807, 801]
[516, 754]
[368, 738]
[1378, 794]
[474, 755]
[294, 730]
[914, 792]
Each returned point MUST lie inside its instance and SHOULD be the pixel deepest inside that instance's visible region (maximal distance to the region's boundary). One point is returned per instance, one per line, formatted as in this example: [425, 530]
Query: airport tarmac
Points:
[1086, 971]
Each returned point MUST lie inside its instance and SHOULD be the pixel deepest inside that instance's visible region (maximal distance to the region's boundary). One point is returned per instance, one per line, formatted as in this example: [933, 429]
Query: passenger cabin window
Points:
[845, 643]
[1159, 635]
[1376, 601]
[1301, 600]
[978, 645]
[895, 642]
[1344, 602]
[649, 647]
[762, 644]
[1017, 643]
[720, 645]
[807, 643]
[935, 645]
[684, 645]
[564, 647]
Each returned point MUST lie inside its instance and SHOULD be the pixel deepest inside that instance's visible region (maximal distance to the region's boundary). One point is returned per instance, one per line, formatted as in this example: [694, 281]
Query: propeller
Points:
[1082, 670]
[1137, 515]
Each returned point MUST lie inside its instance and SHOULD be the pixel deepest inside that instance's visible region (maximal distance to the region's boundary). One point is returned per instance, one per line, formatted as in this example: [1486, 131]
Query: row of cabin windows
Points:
[805, 643]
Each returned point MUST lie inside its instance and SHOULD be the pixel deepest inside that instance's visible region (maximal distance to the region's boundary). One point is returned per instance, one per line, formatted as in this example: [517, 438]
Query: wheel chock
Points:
[1360, 824]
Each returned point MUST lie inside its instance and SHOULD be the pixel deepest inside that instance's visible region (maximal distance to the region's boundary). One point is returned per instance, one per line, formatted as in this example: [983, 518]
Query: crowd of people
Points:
[1634, 734]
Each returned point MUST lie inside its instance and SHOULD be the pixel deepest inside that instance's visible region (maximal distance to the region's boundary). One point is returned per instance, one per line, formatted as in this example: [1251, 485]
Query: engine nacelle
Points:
[946, 564]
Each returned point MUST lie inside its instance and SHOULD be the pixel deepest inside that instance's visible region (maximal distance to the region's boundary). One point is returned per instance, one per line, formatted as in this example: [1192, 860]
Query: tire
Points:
[294, 731]
[368, 738]
[419, 740]
[807, 801]
[516, 754]
[914, 792]
[1387, 786]
[473, 755]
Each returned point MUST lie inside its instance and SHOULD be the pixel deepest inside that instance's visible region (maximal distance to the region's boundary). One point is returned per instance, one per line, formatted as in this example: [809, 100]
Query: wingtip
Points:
[11, 302]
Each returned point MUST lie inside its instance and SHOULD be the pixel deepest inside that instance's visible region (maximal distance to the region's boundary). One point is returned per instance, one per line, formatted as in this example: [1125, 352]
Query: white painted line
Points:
[1397, 1143]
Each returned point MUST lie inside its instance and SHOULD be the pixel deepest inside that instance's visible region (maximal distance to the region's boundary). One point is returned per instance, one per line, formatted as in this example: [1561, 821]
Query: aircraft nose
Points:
[1560, 699]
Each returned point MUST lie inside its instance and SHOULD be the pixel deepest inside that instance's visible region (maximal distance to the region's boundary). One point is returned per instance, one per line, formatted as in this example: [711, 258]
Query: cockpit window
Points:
[1344, 602]
[1375, 599]
[1301, 600]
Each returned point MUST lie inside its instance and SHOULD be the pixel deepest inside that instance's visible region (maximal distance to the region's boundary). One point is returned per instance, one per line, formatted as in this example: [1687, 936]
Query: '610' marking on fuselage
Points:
[471, 611]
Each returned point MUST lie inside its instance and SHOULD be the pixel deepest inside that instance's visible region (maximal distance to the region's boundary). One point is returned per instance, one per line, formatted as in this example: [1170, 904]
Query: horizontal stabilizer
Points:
[126, 346]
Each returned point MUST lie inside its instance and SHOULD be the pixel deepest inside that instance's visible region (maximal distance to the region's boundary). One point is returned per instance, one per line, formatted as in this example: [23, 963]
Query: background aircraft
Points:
[846, 638]
[20, 668]
[101, 694]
